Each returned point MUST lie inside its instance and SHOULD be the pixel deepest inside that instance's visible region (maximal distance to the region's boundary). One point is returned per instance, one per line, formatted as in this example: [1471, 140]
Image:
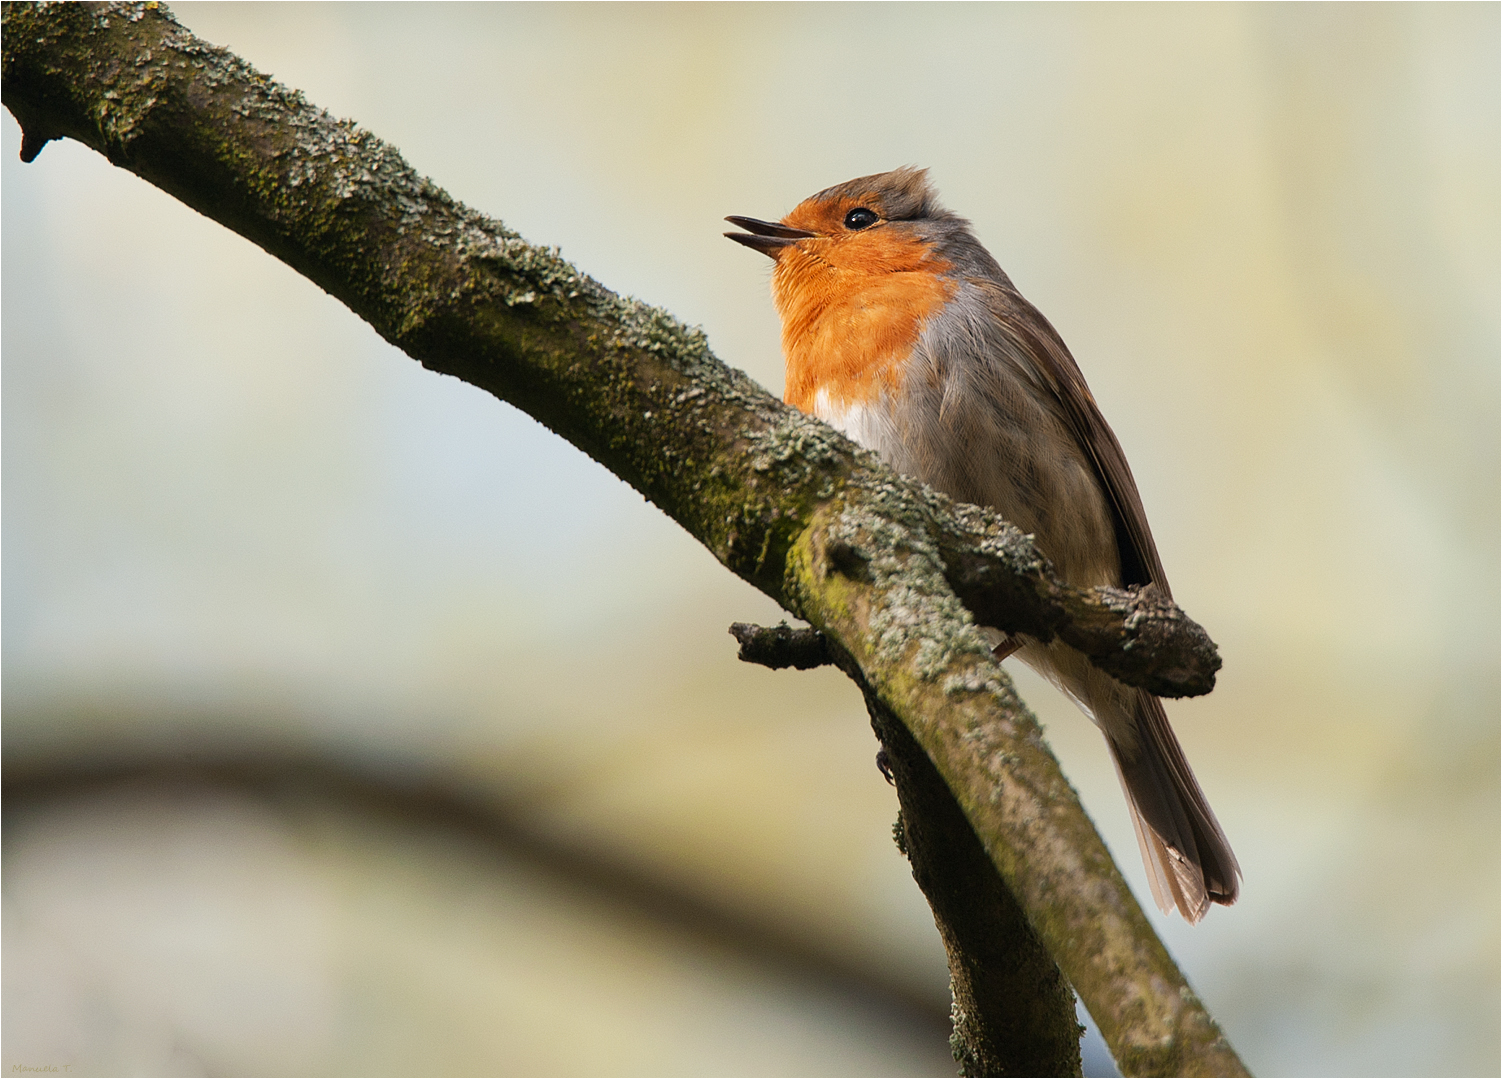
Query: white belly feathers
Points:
[868, 423]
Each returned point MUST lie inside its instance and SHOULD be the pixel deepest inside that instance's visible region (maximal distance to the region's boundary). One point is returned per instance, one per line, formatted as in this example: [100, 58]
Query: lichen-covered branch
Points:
[1013, 1010]
[889, 571]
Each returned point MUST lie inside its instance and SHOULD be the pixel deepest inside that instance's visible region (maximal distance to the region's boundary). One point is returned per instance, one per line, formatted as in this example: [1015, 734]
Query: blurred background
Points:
[355, 724]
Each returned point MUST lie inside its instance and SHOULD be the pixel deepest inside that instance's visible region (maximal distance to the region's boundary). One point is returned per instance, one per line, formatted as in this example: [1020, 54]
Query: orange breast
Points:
[847, 328]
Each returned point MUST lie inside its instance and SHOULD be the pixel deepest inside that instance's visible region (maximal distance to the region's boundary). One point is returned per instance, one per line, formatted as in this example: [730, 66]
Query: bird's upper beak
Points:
[768, 237]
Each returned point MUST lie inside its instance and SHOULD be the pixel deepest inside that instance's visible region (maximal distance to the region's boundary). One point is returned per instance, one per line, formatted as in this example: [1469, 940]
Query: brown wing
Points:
[1139, 554]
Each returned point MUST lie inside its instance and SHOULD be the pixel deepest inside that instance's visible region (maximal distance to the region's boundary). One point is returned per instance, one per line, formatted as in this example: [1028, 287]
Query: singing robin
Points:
[900, 329]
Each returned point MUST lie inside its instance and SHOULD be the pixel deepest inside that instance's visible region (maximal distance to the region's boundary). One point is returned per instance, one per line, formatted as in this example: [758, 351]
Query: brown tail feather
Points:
[1190, 864]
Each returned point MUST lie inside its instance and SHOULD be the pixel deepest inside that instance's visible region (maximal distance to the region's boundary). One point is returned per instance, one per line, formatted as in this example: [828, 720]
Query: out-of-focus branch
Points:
[497, 819]
[883, 567]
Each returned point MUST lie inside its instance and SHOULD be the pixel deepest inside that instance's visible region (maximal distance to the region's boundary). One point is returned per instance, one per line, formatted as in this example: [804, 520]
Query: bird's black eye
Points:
[860, 218]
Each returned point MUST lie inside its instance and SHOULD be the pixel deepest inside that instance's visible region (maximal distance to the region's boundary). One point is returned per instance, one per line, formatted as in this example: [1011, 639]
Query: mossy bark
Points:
[889, 570]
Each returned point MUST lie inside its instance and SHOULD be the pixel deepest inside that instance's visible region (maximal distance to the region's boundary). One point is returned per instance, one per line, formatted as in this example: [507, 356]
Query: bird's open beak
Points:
[768, 237]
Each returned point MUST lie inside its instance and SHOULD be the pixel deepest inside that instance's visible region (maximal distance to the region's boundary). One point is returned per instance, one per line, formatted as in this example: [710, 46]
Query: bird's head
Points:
[864, 226]
[861, 268]
[849, 234]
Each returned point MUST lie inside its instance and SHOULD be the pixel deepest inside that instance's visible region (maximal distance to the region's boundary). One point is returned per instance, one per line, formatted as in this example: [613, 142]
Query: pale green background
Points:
[233, 517]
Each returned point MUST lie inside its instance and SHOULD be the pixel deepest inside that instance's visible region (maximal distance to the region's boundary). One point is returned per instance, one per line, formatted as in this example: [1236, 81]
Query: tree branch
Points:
[1013, 1009]
[882, 566]
[781, 646]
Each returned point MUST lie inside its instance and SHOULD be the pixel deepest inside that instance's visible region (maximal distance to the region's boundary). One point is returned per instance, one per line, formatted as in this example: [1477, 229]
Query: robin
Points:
[899, 329]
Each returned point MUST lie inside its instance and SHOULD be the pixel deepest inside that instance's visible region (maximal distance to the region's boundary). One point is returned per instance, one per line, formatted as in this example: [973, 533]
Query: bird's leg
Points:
[1006, 647]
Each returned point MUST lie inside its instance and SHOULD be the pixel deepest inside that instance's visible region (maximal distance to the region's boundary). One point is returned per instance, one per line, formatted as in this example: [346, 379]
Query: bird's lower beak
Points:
[768, 237]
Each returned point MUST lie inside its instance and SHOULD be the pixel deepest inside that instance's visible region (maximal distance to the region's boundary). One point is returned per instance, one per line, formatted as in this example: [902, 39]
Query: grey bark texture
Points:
[891, 573]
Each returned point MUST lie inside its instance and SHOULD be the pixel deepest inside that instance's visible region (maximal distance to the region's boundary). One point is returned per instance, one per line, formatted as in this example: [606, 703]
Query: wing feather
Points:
[1140, 563]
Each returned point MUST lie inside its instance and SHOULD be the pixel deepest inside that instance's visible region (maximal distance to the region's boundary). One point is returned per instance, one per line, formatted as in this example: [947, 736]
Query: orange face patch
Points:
[852, 303]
